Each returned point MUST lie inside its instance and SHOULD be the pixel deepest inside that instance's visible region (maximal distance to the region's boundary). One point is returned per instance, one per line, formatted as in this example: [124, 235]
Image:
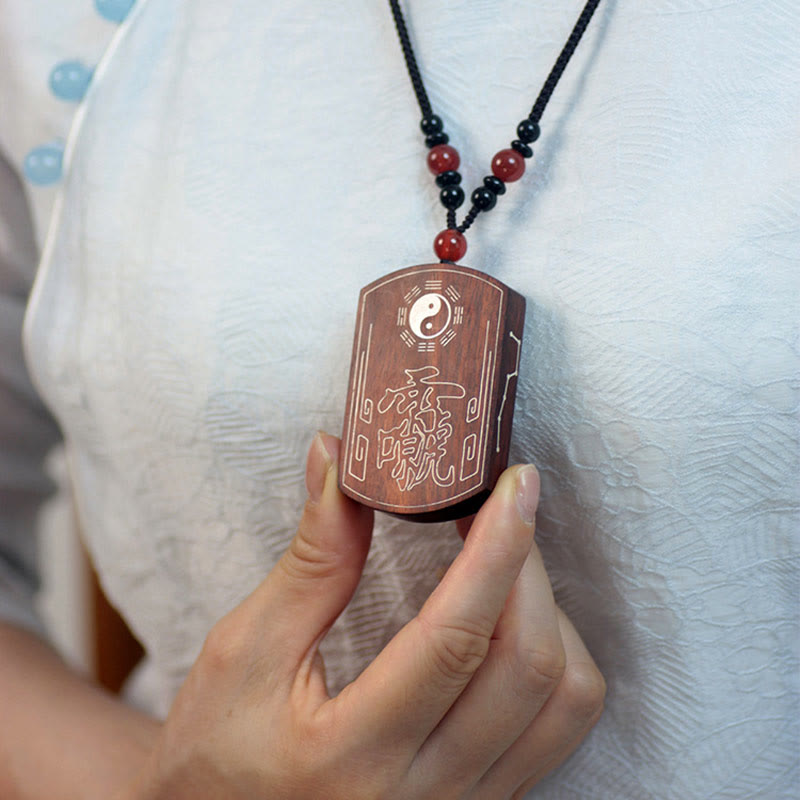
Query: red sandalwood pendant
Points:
[431, 395]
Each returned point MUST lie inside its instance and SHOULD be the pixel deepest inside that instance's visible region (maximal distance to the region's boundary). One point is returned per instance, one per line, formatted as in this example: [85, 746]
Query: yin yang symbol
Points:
[430, 315]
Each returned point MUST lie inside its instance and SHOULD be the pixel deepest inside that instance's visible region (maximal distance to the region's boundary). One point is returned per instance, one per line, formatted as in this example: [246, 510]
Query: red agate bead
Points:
[450, 245]
[508, 165]
[442, 158]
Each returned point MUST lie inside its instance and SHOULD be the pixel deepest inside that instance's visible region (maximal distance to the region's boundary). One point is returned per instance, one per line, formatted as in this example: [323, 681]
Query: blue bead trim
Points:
[42, 165]
[113, 10]
[69, 80]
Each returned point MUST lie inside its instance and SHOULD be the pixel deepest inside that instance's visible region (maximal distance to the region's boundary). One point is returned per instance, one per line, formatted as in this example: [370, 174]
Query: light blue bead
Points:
[113, 10]
[69, 80]
[42, 165]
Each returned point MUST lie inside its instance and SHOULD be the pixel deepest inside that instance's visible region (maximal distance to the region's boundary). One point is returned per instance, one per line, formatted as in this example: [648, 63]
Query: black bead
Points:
[452, 196]
[484, 198]
[431, 124]
[528, 131]
[437, 138]
[494, 184]
[522, 148]
[448, 178]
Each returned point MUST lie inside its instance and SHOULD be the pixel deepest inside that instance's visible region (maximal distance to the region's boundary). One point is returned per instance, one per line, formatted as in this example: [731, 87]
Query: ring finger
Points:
[565, 719]
[523, 667]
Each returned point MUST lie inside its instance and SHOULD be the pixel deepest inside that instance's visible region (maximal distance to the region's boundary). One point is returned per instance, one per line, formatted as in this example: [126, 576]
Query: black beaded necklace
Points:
[507, 165]
[437, 347]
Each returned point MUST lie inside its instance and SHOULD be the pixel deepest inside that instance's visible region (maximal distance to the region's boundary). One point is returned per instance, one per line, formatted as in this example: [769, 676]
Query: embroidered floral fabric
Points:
[239, 171]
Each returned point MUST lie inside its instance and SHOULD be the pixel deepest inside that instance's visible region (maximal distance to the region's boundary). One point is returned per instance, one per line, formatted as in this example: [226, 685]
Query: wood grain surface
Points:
[431, 396]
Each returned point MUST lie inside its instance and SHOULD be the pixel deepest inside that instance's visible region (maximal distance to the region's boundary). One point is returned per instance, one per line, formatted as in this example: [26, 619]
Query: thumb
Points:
[315, 578]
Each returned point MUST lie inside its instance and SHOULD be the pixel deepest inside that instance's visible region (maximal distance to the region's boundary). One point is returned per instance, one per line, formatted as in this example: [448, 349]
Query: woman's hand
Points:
[487, 689]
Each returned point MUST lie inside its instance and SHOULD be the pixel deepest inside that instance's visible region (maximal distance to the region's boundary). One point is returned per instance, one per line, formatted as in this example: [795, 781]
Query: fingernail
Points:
[527, 493]
[321, 455]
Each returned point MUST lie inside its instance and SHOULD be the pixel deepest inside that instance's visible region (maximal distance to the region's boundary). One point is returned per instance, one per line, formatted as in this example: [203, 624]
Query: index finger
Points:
[402, 696]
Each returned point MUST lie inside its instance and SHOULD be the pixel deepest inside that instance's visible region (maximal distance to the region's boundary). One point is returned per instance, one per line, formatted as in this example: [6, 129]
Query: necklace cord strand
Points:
[536, 111]
[562, 60]
[411, 60]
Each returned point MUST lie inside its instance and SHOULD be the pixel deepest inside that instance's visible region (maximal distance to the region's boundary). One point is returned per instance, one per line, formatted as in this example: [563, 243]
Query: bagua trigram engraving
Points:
[432, 318]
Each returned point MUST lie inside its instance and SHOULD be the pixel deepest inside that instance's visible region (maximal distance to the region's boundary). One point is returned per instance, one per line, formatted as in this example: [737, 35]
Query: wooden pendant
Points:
[431, 397]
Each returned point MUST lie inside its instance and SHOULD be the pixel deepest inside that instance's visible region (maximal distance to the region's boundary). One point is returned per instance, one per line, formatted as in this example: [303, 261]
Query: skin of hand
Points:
[480, 695]
[62, 738]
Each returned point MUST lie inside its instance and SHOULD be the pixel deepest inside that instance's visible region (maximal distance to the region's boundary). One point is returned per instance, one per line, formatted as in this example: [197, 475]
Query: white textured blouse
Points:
[237, 171]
